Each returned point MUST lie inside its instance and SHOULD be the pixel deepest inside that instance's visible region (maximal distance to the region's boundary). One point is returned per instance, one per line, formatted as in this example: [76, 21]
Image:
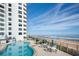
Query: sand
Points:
[39, 51]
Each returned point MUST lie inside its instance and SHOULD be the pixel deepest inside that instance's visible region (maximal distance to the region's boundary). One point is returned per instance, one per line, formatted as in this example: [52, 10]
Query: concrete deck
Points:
[2, 46]
[39, 51]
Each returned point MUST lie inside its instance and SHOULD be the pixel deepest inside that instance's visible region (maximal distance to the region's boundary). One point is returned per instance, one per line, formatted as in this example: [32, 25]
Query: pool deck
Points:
[2, 47]
[39, 51]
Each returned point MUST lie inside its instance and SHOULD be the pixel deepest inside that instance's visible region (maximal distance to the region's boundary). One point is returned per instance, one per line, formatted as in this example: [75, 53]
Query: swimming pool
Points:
[17, 49]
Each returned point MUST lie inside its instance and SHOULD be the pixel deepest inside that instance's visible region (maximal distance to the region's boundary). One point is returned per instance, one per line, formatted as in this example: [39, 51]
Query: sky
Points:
[52, 19]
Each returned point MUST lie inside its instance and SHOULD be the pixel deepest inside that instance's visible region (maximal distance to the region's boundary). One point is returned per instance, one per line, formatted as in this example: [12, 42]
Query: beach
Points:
[39, 51]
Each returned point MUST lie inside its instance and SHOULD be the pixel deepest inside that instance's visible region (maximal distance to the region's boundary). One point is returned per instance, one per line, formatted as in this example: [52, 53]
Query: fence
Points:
[71, 47]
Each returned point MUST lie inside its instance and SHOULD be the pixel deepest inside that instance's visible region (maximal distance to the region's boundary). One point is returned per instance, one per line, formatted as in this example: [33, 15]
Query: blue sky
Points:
[52, 19]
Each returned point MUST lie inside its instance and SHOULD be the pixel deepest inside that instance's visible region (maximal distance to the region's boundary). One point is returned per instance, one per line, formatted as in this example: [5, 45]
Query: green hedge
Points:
[67, 50]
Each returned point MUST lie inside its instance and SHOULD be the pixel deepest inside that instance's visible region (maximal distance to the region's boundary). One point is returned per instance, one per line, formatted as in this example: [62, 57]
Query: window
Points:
[20, 16]
[24, 29]
[20, 29]
[1, 29]
[24, 5]
[9, 19]
[20, 12]
[10, 37]
[20, 24]
[24, 9]
[24, 25]
[1, 24]
[9, 28]
[20, 20]
[9, 14]
[9, 33]
[24, 17]
[1, 15]
[24, 37]
[20, 7]
[3, 3]
[24, 32]
[1, 10]
[20, 3]
[1, 19]
[20, 33]
[1, 33]
[9, 9]
[24, 13]
[1, 6]
[9, 24]
[9, 5]
[24, 21]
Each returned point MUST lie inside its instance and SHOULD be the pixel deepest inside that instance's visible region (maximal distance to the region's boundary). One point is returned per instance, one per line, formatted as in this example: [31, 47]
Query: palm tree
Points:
[37, 40]
[52, 43]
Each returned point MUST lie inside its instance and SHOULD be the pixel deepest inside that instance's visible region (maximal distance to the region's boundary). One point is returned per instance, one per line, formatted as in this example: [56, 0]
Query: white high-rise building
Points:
[13, 21]
[2, 21]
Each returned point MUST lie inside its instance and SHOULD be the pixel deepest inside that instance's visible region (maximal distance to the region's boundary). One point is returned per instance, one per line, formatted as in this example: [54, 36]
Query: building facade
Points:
[2, 21]
[14, 21]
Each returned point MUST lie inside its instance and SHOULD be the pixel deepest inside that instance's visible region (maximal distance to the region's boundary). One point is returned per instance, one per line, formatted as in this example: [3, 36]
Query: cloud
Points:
[56, 20]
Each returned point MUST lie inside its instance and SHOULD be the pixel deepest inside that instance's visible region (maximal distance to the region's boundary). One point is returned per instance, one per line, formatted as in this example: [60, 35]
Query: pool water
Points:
[17, 49]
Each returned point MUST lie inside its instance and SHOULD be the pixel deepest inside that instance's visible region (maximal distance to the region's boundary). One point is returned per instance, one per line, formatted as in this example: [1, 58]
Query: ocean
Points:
[69, 37]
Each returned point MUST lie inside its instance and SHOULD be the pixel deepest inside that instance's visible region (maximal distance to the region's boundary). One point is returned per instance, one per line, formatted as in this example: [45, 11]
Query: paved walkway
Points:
[39, 51]
[2, 46]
